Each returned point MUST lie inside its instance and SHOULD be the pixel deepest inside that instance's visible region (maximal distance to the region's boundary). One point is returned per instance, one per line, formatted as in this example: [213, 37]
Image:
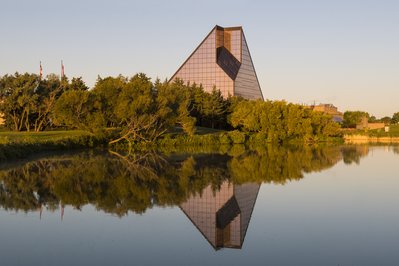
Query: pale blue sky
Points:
[340, 52]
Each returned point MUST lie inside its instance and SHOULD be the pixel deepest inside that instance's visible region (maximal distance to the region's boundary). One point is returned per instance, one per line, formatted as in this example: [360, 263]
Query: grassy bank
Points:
[373, 136]
[15, 145]
[7, 137]
[22, 144]
[379, 133]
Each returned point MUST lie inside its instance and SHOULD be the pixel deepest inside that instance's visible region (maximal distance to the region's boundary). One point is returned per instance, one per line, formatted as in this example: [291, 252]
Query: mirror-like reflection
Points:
[296, 205]
[223, 216]
[118, 184]
[217, 191]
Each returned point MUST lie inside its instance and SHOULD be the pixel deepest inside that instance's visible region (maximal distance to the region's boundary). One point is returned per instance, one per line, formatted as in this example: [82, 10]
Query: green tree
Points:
[387, 120]
[108, 90]
[214, 108]
[395, 118]
[177, 99]
[48, 93]
[77, 84]
[18, 98]
[279, 121]
[27, 101]
[352, 118]
[144, 112]
[79, 109]
[372, 119]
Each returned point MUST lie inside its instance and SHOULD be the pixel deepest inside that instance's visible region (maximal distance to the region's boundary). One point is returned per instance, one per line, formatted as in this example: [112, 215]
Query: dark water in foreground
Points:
[268, 206]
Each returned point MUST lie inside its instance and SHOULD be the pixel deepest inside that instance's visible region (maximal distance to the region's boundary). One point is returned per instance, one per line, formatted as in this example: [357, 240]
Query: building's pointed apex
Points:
[222, 60]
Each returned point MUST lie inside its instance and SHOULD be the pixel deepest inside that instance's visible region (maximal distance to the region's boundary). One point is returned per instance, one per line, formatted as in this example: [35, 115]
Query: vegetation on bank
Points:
[376, 133]
[393, 132]
[352, 118]
[10, 137]
[22, 144]
[145, 112]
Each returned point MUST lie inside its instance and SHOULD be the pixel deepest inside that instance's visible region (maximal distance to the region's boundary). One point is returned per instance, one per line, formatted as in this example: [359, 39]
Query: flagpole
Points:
[41, 70]
[62, 70]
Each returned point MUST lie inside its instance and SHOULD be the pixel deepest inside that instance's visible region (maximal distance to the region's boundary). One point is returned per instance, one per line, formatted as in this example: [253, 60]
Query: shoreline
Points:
[27, 144]
[22, 145]
[362, 139]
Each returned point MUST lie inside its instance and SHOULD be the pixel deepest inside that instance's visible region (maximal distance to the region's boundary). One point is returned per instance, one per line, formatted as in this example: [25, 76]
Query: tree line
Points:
[352, 118]
[142, 111]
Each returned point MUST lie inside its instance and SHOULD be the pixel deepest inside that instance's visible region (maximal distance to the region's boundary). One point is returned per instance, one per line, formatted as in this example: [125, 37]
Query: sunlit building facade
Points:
[223, 216]
[222, 61]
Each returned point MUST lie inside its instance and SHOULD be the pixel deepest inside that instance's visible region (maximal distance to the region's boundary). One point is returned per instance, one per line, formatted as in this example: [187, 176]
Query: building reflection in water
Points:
[223, 216]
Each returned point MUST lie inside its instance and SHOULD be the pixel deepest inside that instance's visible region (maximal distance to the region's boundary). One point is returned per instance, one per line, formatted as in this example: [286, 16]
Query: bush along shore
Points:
[21, 145]
[16, 145]
[144, 114]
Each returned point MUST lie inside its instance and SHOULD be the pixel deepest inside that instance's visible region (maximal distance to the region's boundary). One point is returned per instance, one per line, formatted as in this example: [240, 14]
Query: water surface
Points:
[263, 206]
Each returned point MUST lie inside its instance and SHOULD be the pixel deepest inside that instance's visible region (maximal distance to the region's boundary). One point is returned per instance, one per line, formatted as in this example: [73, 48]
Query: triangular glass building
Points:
[223, 61]
[222, 216]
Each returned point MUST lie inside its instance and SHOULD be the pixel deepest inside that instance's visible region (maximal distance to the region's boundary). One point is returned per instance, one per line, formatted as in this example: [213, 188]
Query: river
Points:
[297, 205]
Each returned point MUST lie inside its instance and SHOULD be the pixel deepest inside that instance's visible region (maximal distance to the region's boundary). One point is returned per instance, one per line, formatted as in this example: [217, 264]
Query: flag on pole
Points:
[62, 70]
[41, 70]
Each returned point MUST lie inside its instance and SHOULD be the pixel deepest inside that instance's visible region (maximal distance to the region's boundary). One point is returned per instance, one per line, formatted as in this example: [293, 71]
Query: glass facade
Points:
[246, 83]
[223, 216]
[222, 61]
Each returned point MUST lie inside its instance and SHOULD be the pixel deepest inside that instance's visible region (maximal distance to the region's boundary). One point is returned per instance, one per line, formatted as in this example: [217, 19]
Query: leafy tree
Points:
[386, 120]
[108, 90]
[209, 109]
[372, 119]
[144, 112]
[78, 109]
[17, 99]
[27, 100]
[280, 121]
[51, 89]
[134, 98]
[214, 108]
[242, 117]
[352, 118]
[178, 100]
[77, 84]
[395, 118]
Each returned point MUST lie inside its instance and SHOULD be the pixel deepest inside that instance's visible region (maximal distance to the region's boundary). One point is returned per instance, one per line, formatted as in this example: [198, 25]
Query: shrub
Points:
[237, 137]
[224, 138]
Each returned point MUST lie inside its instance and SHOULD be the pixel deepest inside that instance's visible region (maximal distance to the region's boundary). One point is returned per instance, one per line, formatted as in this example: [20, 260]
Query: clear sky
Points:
[344, 52]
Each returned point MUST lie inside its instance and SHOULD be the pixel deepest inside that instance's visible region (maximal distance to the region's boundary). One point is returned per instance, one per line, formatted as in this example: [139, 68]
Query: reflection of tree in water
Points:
[279, 165]
[118, 184]
[111, 183]
[396, 149]
[352, 154]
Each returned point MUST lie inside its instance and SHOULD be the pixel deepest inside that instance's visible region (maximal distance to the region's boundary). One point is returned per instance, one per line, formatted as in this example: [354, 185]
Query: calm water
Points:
[266, 206]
